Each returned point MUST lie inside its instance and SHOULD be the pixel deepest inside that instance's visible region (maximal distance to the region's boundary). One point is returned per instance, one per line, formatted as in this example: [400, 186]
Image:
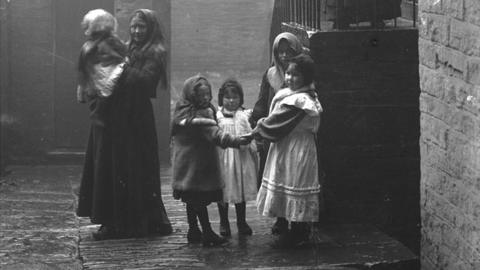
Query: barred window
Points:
[327, 15]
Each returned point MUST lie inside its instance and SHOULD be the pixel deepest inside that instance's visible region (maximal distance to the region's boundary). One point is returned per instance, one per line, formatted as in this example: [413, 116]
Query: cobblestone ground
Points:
[38, 230]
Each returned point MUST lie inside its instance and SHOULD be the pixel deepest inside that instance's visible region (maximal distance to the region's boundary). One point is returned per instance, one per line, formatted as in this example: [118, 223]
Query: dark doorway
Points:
[71, 121]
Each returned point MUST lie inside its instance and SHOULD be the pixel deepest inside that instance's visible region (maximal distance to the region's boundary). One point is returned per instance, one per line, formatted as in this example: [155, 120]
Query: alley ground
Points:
[39, 230]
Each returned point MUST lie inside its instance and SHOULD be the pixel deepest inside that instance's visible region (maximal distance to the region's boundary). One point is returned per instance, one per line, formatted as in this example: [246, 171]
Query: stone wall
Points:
[449, 48]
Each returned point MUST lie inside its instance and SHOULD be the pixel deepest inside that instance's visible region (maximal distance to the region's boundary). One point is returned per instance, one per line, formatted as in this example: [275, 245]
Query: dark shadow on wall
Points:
[369, 135]
[369, 89]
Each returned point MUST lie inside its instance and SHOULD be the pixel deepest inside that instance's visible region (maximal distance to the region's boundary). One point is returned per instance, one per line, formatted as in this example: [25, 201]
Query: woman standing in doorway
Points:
[127, 201]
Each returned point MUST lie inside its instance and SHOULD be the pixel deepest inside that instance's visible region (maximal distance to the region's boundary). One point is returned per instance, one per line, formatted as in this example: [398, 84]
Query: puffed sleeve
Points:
[279, 123]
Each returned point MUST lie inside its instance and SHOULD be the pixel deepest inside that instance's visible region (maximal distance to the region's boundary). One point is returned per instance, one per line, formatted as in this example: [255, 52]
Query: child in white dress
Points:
[290, 186]
[238, 167]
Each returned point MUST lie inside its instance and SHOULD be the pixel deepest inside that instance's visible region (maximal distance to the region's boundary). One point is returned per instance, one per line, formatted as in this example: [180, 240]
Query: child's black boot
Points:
[300, 233]
[280, 226]
[209, 237]
[224, 223]
[194, 234]
[243, 228]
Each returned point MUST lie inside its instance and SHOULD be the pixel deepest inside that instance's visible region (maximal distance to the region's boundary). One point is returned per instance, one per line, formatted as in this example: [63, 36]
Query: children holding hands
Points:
[196, 175]
[238, 167]
[290, 187]
[213, 157]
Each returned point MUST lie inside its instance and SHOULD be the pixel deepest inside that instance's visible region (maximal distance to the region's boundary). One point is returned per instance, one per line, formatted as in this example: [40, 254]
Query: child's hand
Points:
[199, 122]
[204, 121]
[246, 138]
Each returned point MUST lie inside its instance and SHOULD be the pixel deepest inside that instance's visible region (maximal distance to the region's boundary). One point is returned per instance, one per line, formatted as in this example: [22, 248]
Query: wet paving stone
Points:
[39, 230]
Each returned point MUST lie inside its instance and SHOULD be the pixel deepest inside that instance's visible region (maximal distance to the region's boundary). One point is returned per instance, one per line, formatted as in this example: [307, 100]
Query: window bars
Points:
[324, 15]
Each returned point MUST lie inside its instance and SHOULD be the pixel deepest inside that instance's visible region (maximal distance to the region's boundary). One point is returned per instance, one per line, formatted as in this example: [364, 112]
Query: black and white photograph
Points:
[240, 134]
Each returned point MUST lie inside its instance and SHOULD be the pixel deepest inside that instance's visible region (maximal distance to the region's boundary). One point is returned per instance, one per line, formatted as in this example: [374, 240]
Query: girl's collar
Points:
[306, 88]
[285, 92]
[227, 113]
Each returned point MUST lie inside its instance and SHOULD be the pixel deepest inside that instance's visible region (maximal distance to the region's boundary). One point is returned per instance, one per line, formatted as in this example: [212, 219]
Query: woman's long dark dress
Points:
[121, 179]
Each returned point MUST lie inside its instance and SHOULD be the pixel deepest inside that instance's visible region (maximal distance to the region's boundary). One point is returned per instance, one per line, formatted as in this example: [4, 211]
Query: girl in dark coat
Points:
[126, 197]
[196, 176]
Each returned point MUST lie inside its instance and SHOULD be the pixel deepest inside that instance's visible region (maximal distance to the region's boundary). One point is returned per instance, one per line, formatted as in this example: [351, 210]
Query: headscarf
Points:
[153, 46]
[154, 37]
[187, 107]
[276, 74]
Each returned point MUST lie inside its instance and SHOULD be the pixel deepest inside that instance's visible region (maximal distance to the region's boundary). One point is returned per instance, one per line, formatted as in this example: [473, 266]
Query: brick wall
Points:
[449, 51]
[370, 128]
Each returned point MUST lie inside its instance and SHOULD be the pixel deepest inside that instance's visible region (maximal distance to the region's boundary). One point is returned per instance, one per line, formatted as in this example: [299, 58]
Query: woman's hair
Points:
[153, 47]
[306, 66]
[276, 74]
[154, 35]
[98, 22]
[233, 85]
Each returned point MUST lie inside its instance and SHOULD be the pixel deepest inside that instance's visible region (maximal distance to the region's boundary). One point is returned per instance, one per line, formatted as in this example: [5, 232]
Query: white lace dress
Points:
[290, 185]
[238, 167]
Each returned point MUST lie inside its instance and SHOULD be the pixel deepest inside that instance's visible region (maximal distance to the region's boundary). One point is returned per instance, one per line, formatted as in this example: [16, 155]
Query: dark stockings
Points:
[242, 225]
[240, 209]
[192, 217]
[224, 223]
[194, 234]
[209, 237]
[202, 214]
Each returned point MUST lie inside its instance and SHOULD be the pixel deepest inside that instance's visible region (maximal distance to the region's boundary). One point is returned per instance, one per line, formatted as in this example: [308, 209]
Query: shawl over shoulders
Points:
[306, 101]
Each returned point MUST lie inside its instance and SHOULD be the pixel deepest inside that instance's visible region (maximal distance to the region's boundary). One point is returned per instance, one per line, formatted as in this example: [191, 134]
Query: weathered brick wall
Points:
[370, 127]
[449, 50]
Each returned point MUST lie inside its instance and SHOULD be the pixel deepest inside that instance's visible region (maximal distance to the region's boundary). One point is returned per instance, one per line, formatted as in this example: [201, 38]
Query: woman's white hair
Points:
[98, 21]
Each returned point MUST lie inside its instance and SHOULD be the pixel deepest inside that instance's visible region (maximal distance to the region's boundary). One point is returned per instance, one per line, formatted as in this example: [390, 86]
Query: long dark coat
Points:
[121, 179]
[196, 175]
